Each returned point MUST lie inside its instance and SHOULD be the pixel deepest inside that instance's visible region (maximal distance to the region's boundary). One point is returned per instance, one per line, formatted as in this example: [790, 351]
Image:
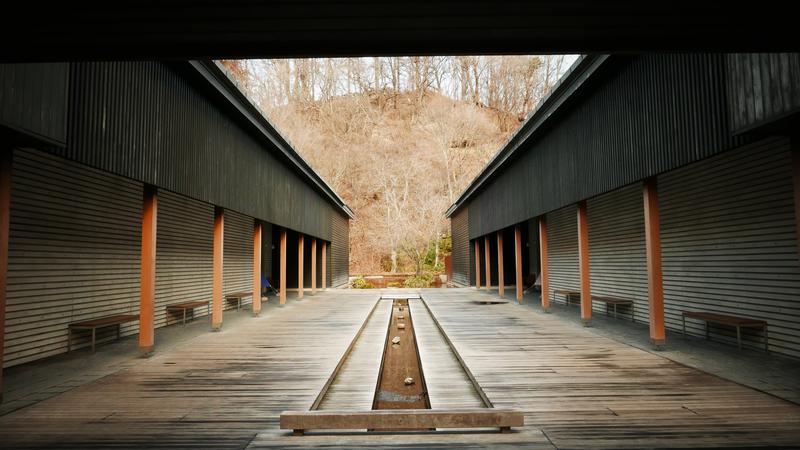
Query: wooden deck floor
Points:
[578, 390]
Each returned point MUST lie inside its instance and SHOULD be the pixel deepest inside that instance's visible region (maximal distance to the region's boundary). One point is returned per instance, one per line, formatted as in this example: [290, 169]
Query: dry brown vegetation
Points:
[397, 138]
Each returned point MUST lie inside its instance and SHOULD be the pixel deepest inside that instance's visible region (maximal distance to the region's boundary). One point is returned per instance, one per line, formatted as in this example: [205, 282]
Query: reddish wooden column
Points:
[219, 238]
[477, 264]
[300, 265]
[544, 262]
[282, 292]
[488, 260]
[257, 230]
[147, 279]
[324, 257]
[313, 266]
[655, 286]
[6, 157]
[583, 264]
[518, 260]
[501, 288]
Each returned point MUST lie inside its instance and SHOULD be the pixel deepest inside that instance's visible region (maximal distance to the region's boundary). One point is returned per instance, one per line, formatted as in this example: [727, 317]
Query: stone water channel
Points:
[421, 371]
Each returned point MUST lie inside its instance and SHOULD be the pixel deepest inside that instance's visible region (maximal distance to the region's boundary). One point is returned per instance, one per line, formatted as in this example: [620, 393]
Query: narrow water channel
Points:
[401, 381]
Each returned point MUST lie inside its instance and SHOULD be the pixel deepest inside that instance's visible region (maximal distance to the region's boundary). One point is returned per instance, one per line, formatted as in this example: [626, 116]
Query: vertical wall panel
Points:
[237, 249]
[562, 228]
[340, 250]
[184, 252]
[729, 243]
[459, 224]
[74, 253]
[617, 259]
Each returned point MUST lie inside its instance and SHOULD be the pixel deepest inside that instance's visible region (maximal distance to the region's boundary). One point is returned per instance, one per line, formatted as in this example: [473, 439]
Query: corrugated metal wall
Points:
[340, 250]
[644, 115]
[729, 243]
[617, 257]
[762, 87]
[149, 121]
[184, 253]
[33, 99]
[237, 267]
[74, 253]
[562, 234]
[459, 227]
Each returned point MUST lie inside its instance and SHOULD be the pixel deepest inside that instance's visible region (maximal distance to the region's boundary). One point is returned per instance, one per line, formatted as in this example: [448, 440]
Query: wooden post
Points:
[543, 263]
[477, 264]
[313, 266]
[282, 292]
[583, 264]
[6, 158]
[518, 260]
[219, 238]
[501, 288]
[488, 260]
[257, 230]
[324, 265]
[300, 265]
[147, 279]
[655, 286]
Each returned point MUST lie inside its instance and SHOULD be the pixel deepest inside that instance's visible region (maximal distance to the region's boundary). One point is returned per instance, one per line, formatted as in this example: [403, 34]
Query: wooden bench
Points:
[401, 419]
[568, 295]
[722, 319]
[615, 302]
[238, 296]
[188, 306]
[102, 322]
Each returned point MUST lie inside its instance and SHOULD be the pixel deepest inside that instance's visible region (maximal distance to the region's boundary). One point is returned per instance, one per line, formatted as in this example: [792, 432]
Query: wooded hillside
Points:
[398, 138]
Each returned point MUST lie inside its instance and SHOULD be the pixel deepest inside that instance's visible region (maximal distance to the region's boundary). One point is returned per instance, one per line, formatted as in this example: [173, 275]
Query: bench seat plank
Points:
[105, 321]
[725, 319]
[188, 305]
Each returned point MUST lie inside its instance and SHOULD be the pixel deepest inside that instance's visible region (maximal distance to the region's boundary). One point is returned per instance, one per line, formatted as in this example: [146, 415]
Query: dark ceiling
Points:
[181, 29]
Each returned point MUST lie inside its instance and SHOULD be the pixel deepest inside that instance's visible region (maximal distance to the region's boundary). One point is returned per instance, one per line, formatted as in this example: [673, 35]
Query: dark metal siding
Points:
[562, 246]
[184, 253]
[729, 243]
[640, 117]
[147, 121]
[340, 250]
[33, 100]
[74, 253]
[237, 254]
[617, 257]
[762, 87]
[459, 224]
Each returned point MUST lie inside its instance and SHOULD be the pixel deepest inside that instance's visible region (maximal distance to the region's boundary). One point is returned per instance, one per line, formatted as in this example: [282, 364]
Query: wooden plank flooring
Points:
[578, 390]
[354, 386]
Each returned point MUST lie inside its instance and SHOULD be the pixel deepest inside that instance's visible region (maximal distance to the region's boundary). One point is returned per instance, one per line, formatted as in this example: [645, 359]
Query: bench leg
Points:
[94, 334]
[119, 326]
[184, 317]
[69, 340]
[706, 330]
[684, 324]
[766, 341]
[298, 432]
[505, 429]
[615, 310]
[739, 336]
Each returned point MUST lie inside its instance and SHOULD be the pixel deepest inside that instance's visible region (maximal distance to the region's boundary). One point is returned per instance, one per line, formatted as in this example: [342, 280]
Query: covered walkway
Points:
[576, 388]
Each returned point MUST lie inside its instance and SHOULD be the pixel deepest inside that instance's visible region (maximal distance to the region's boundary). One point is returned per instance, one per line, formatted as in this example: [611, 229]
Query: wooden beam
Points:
[324, 257]
[518, 260]
[282, 287]
[501, 288]
[219, 238]
[487, 256]
[655, 286]
[257, 230]
[583, 264]
[6, 158]
[313, 266]
[300, 242]
[477, 264]
[401, 419]
[544, 261]
[147, 279]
